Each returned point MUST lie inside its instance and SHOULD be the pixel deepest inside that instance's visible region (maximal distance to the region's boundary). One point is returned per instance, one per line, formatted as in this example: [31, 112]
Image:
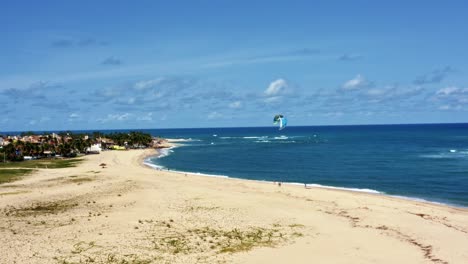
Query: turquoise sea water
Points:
[427, 162]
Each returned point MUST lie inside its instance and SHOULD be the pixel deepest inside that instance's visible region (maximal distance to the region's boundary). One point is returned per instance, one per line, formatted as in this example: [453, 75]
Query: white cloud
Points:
[143, 85]
[451, 98]
[376, 92]
[350, 57]
[276, 91]
[452, 92]
[277, 87]
[73, 116]
[108, 92]
[448, 90]
[393, 92]
[291, 55]
[131, 100]
[147, 117]
[355, 83]
[274, 99]
[121, 117]
[444, 107]
[41, 120]
[450, 107]
[214, 115]
[156, 95]
[435, 76]
[111, 61]
[235, 105]
[114, 117]
[366, 113]
[334, 114]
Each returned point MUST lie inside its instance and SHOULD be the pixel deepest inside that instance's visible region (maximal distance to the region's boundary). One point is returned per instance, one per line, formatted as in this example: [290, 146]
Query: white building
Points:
[94, 149]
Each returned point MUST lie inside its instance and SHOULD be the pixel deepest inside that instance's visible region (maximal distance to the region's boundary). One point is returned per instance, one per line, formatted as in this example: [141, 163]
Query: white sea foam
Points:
[199, 174]
[281, 137]
[450, 154]
[309, 185]
[365, 190]
[425, 201]
[255, 137]
[175, 140]
[165, 152]
[152, 165]
[148, 163]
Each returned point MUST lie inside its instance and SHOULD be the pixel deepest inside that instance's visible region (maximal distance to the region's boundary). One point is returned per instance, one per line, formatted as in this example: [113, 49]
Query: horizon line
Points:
[127, 129]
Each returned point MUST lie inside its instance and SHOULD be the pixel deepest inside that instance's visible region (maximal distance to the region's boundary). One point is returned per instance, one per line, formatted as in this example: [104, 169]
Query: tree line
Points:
[67, 144]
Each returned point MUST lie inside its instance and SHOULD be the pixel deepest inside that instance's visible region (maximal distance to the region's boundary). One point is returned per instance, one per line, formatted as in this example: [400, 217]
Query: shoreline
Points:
[309, 185]
[130, 212]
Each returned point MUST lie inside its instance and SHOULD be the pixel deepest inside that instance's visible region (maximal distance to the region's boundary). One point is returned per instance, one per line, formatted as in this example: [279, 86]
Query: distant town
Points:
[29, 145]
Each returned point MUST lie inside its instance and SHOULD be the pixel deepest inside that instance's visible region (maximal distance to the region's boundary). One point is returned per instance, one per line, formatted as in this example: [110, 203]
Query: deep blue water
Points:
[419, 161]
[427, 162]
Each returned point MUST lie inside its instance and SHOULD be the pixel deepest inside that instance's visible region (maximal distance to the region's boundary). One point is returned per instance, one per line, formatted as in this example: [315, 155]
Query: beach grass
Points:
[173, 240]
[43, 208]
[9, 175]
[80, 180]
[43, 163]
[12, 171]
[221, 241]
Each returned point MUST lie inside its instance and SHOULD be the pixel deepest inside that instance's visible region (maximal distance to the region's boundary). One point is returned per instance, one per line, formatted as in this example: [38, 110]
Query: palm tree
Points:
[28, 148]
[9, 151]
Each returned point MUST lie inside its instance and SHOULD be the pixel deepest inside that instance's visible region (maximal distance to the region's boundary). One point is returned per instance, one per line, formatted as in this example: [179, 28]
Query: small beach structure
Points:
[94, 149]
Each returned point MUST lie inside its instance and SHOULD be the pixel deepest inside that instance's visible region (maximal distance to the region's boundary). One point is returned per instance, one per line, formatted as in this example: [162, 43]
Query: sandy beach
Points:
[126, 212]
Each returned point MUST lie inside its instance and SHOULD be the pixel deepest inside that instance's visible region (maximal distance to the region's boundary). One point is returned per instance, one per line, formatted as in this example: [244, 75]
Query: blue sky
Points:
[68, 65]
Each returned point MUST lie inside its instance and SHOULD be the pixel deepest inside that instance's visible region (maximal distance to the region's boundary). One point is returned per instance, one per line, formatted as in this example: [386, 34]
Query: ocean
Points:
[422, 162]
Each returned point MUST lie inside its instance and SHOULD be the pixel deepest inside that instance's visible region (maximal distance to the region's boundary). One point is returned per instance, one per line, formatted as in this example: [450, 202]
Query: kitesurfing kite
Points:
[281, 120]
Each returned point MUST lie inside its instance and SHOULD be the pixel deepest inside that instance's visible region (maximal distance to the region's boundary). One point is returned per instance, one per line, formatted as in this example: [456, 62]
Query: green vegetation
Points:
[134, 139]
[43, 164]
[12, 171]
[41, 208]
[221, 241]
[9, 175]
[174, 241]
[83, 249]
[108, 259]
[66, 144]
[80, 180]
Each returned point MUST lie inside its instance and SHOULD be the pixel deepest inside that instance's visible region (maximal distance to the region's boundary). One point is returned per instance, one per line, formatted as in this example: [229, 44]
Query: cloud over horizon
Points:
[357, 82]
[451, 98]
[111, 61]
[77, 42]
[436, 76]
[350, 57]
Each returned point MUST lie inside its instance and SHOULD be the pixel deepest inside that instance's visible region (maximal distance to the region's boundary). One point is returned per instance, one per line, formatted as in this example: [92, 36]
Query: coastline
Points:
[125, 211]
[175, 143]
